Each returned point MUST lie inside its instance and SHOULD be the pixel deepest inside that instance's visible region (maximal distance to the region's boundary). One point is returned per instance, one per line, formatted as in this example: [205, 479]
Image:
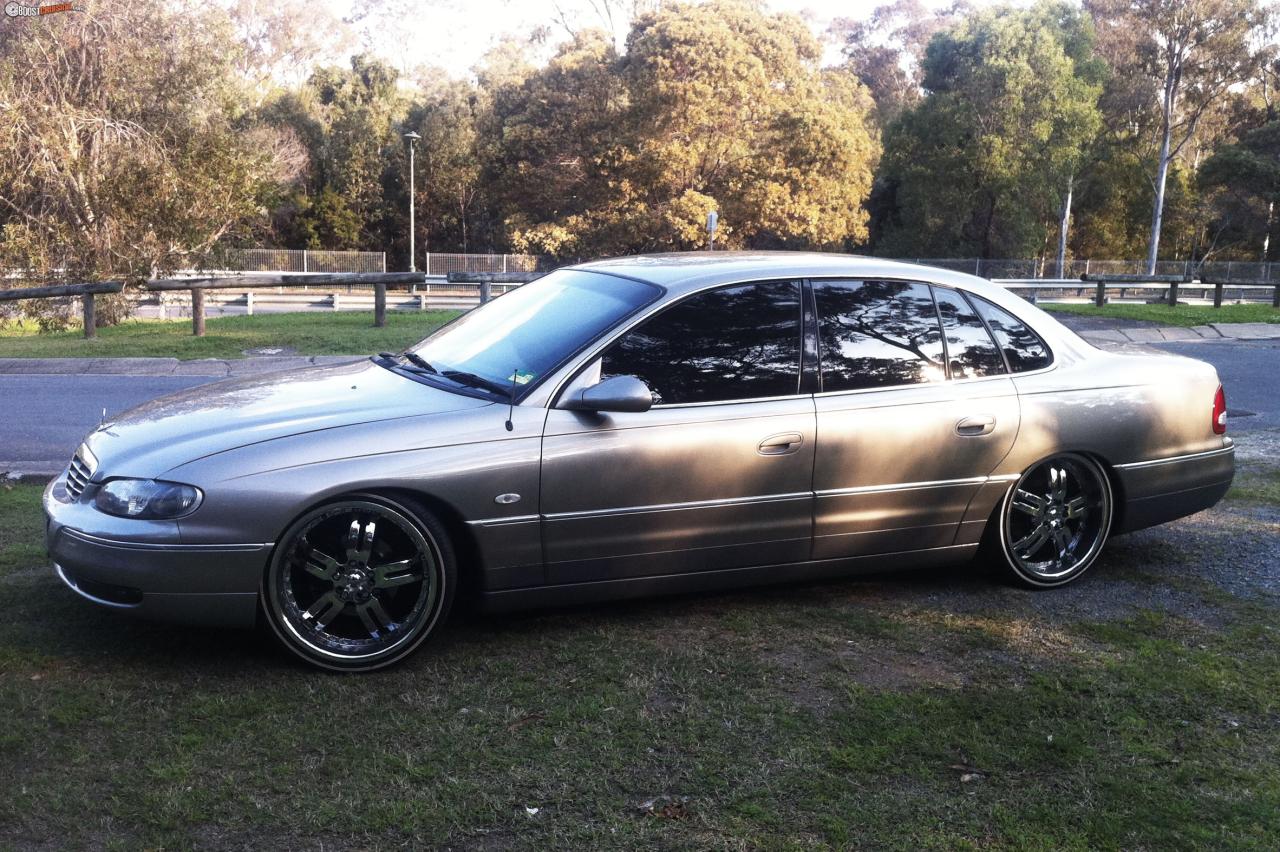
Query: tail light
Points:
[1220, 412]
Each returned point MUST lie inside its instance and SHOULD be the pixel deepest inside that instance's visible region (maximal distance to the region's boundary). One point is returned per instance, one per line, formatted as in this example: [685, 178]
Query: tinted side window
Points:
[877, 334]
[1021, 346]
[734, 343]
[970, 351]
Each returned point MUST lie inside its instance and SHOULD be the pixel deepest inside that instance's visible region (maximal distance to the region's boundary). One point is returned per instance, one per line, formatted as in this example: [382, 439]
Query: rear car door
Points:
[717, 474]
[915, 410]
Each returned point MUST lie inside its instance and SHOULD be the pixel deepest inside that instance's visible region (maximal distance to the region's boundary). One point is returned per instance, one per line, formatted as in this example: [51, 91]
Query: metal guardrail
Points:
[1171, 287]
[436, 294]
[198, 286]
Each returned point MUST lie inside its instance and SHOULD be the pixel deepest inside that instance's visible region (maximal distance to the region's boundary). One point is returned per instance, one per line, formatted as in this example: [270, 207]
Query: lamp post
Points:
[412, 138]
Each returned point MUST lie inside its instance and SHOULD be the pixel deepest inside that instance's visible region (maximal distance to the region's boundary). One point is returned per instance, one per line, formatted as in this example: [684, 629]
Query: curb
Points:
[1179, 334]
[209, 367]
[28, 477]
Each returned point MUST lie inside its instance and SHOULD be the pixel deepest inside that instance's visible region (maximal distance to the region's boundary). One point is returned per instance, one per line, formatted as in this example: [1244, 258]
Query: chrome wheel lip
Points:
[427, 612]
[1104, 506]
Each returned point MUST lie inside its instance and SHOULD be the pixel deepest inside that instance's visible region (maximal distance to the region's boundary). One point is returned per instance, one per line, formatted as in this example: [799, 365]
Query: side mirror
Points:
[620, 393]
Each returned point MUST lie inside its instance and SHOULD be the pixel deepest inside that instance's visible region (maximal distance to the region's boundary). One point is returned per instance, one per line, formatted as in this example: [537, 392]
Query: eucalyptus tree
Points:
[978, 167]
[1181, 58]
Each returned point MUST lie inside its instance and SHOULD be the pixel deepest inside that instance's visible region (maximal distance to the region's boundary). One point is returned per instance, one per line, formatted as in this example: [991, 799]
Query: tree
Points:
[281, 42]
[715, 106]
[559, 142]
[347, 118]
[123, 153]
[1247, 177]
[1184, 55]
[977, 167]
[450, 196]
[885, 50]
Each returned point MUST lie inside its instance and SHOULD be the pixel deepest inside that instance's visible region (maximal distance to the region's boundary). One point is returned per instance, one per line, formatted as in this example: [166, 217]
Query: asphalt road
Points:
[44, 417]
[1250, 373]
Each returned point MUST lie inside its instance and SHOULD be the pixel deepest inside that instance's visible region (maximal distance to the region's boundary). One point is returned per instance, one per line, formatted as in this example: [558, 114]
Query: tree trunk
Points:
[1064, 222]
[1266, 237]
[1162, 170]
[987, 231]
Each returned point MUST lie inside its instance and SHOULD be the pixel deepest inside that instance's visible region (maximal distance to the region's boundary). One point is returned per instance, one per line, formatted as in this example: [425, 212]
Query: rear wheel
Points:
[1055, 520]
[359, 583]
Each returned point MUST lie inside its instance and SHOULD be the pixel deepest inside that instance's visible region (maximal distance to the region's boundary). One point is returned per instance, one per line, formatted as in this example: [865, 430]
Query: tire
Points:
[359, 583]
[1054, 521]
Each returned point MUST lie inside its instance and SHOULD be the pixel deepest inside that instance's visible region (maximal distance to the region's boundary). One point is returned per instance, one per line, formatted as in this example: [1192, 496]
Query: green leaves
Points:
[714, 107]
[979, 166]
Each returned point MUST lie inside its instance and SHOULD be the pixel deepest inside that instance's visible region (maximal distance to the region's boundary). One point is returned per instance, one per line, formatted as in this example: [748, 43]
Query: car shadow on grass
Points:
[1176, 570]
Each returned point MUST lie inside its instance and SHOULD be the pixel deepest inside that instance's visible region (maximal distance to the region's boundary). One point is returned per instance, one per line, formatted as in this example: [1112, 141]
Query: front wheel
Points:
[359, 583]
[1055, 520]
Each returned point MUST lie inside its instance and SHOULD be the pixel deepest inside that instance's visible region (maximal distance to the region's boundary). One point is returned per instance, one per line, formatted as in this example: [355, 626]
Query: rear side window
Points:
[1022, 347]
[971, 353]
[877, 334]
[728, 344]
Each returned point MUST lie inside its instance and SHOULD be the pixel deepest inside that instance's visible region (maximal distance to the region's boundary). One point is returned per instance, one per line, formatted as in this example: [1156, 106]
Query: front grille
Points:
[80, 471]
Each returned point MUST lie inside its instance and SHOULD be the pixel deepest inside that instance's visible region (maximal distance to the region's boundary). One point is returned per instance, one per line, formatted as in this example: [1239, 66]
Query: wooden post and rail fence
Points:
[197, 287]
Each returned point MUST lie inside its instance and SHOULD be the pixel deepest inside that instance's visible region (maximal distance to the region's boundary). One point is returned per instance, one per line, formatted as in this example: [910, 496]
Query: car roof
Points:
[682, 272]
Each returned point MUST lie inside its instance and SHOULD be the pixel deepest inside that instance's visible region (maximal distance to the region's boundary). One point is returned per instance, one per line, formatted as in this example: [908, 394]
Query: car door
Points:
[915, 410]
[717, 474]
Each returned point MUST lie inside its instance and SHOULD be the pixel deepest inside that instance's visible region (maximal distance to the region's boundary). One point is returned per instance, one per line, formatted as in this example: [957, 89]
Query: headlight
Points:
[147, 499]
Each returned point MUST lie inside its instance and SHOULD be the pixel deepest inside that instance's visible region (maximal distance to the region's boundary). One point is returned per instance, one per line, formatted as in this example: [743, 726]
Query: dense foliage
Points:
[137, 138]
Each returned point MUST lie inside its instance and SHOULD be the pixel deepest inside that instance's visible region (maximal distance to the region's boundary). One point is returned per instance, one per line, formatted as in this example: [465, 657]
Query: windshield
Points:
[533, 329]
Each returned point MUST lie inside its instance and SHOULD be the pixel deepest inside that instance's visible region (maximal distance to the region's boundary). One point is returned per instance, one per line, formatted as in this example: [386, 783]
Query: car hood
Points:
[201, 421]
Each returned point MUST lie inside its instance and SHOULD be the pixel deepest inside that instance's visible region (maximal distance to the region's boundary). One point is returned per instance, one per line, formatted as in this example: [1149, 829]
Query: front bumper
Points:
[212, 584]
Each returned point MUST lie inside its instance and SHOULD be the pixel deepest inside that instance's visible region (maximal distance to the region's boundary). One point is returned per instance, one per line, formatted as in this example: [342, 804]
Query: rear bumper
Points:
[1163, 490]
[193, 584]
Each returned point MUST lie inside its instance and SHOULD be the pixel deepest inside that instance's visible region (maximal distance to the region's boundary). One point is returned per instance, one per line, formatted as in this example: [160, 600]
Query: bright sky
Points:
[454, 34]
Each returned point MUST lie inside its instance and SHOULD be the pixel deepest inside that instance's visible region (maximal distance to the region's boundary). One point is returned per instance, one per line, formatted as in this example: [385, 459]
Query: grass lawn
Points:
[935, 710]
[309, 333]
[1182, 315]
[1257, 486]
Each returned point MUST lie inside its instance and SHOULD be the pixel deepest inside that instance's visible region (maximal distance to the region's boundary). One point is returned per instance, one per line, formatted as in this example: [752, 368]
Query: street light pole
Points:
[412, 138]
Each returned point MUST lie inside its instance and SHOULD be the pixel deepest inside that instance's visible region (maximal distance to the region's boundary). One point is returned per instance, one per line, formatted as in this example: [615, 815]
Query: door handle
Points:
[976, 424]
[780, 445]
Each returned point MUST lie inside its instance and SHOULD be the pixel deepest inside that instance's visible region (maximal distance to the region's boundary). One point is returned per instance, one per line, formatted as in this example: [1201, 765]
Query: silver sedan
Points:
[638, 426]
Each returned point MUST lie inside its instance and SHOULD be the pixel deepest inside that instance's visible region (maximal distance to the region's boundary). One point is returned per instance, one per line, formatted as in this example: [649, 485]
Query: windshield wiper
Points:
[417, 359]
[412, 357]
[462, 377]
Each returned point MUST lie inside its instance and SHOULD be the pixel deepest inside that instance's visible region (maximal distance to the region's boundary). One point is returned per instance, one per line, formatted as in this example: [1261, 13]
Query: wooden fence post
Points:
[1217, 295]
[90, 316]
[1173, 293]
[197, 311]
[248, 303]
[1275, 296]
[486, 291]
[1100, 298]
[379, 305]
